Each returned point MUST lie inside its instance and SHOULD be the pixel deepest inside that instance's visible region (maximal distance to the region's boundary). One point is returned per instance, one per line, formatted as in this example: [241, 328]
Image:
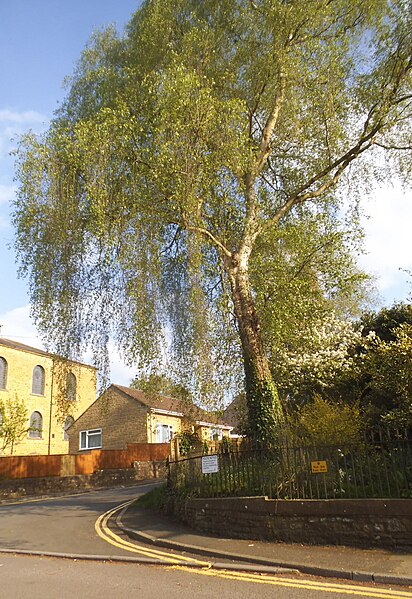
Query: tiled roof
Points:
[170, 404]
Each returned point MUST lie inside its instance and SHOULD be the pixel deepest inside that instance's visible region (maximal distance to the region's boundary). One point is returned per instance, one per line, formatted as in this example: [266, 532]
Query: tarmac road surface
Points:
[62, 524]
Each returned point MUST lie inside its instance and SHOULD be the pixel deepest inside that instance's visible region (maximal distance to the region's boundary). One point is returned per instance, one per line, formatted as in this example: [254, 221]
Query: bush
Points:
[328, 423]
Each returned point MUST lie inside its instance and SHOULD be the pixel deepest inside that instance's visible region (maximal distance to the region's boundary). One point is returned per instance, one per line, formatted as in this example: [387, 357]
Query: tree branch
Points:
[207, 235]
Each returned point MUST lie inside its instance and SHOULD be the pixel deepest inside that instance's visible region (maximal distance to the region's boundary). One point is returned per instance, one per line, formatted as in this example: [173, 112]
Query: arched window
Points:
[37, 386]
[3, 373]
[36, 426]
[67, 424]
[71, 387]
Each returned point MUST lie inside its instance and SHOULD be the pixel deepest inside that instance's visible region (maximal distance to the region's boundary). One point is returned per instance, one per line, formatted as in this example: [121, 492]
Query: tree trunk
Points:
[264, 408]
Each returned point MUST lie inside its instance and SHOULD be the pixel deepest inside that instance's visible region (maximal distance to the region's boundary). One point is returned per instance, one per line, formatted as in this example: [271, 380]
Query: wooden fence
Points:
[35, 466]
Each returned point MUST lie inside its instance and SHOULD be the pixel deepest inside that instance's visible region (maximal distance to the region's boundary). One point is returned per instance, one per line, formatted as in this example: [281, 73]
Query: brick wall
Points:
[363, 523]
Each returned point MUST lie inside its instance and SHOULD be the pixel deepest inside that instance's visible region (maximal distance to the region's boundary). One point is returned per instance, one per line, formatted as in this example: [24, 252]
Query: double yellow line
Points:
[205, 568]
[104, 532]
[309, 585]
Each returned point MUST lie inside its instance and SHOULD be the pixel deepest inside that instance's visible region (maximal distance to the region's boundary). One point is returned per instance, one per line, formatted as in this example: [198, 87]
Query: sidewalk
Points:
[388, 567]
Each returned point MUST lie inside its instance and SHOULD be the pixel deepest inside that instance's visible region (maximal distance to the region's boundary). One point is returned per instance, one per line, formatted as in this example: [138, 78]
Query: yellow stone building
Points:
[54, 391]
[122, 415]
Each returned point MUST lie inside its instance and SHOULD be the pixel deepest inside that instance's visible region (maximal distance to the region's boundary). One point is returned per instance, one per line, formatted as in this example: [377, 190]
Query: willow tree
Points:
[183, 150]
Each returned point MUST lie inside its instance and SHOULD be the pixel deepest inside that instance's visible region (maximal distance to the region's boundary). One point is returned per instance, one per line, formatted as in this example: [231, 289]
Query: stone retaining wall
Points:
[362, 523]
[26, 487]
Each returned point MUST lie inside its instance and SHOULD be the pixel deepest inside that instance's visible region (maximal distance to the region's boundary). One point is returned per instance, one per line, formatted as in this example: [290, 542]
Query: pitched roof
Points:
[171, 404]
[34, 350]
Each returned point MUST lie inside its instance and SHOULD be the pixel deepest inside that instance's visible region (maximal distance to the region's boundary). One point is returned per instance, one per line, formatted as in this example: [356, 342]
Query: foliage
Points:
[188, 442]
[389, 366]
[322, 352]
[379, 376]
[156, 499]
[327, 422]
[376, 465]
[182, 155]
[13, 423]
[385, 322]
[159, 384]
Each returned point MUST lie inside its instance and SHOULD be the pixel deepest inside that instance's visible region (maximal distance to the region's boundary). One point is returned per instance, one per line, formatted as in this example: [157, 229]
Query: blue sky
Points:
[40, 42]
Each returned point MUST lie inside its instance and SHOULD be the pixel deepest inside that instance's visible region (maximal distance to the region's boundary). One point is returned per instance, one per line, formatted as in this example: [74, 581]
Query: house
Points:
[53, 390]
[122, 415]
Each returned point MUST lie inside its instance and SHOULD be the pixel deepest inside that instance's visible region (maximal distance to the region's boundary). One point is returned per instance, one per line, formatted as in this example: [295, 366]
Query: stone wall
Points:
[28, 487]
[362, 523]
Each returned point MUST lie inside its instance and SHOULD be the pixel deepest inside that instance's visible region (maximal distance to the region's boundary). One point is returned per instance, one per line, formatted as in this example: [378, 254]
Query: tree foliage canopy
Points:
[183, 157]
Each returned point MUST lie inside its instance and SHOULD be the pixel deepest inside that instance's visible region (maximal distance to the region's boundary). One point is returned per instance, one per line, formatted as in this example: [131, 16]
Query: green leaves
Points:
[213, 137]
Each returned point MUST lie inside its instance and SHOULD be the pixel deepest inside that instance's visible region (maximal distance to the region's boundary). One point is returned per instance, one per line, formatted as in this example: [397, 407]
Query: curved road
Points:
[63, 524]
[67, 524]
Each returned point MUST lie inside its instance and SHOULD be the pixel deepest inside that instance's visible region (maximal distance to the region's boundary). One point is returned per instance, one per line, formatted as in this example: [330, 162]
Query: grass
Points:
[156, 499]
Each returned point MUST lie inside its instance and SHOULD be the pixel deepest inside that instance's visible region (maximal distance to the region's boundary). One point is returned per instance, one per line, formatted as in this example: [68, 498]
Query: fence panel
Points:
[84, 463]
[30, 466]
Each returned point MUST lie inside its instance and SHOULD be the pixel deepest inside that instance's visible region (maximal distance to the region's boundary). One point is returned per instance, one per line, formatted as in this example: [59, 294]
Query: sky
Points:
[40, 43]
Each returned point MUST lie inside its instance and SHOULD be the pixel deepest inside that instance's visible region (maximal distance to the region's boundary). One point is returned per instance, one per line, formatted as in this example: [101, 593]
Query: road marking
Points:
[104, 532]
[347, 589]
[206, 568]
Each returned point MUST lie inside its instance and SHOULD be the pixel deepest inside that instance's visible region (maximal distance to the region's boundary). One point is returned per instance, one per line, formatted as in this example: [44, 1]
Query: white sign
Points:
[210, 464]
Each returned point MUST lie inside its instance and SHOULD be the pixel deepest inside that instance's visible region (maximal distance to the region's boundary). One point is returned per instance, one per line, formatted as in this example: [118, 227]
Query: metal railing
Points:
[378, 467]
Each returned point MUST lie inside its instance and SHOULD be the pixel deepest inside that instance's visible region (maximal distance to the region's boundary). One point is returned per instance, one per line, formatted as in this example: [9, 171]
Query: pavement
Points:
[366, 565]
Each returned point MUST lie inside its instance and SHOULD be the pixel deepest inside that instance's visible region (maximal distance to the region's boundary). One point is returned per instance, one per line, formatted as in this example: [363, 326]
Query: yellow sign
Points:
[319, 466]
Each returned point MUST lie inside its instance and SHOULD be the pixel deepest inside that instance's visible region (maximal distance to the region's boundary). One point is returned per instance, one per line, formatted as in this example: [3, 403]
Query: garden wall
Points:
[357, 522]
[50, 485]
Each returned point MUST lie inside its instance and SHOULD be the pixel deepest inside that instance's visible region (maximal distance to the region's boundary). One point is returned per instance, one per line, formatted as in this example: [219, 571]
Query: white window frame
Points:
[216, 432]
[162, 428]
[86, 436]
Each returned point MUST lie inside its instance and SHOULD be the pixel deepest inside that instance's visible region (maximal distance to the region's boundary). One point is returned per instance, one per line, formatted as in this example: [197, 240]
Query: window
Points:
[91, 439]
[37, 386]
[36, 426]
[67, 424]
[71, 387]
[216, 434]
[164, 433]
[3, 373]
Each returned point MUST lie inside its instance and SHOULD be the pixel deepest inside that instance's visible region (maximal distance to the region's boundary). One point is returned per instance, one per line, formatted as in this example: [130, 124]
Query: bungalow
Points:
[122, 415]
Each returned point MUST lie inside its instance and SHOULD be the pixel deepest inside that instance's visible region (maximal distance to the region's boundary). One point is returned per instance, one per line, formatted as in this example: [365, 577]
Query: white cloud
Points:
[14, 123]
[17, 325]
[22, 118]
[7, 193]
[388, 240]
[120, 374]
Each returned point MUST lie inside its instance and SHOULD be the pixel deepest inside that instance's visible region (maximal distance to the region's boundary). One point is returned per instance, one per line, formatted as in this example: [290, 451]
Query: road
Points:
[70, 524]
[62, 524]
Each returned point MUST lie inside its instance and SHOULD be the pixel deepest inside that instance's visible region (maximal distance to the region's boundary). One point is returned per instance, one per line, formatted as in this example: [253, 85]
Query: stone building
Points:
[54, 391]
[122, 415]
